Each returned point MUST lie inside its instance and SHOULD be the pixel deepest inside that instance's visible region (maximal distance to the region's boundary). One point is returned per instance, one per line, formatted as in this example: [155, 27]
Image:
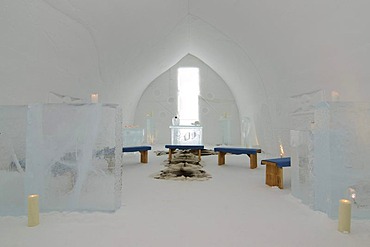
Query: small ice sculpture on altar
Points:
[175, 121]
[74, 156]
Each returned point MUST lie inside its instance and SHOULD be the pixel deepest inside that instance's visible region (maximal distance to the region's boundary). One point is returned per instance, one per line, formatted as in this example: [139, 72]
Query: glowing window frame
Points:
[187, 94]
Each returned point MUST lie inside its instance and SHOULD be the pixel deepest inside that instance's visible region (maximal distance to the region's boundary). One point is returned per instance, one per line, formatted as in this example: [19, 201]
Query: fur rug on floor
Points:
[184, 166]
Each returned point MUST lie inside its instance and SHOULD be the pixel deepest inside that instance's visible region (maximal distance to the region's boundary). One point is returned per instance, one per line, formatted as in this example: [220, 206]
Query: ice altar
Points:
[71, 156]
[331, 159]
[186, 134]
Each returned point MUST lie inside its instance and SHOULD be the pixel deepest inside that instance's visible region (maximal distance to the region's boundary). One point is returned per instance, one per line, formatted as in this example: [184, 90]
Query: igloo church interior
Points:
[184, 123]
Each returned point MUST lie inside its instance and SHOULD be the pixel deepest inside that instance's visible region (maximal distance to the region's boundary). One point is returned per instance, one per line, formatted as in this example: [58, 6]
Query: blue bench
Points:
[173, 147]
[251, 152]
[274, 171]
[142, 149]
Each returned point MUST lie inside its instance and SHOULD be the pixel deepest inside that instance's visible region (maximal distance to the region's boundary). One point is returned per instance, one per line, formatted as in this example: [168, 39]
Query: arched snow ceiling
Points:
[262, 49]
[134, 44]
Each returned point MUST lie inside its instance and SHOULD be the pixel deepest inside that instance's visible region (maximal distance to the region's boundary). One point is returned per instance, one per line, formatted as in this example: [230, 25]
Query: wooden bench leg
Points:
[144, 156]
[274, 174]
[252, 161]
[221, 158]
[170, 154]
[280, 178]
[200, 154]
[271, 174]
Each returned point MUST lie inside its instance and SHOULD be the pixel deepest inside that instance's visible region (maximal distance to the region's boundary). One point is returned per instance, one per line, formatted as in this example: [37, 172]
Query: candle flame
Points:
[94, 98]
[345, 201]
[352, 192]
[281, 151]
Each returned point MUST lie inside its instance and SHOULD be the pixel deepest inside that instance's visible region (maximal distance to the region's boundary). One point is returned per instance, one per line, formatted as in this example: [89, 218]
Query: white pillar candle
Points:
[344, 216]
[94, 98]
[33, 210]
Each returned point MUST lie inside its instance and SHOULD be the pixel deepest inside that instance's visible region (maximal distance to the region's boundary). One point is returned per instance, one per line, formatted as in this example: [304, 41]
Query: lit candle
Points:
[334, 96]
[344, 216]
[281, 151]
[94, 98]
[33, 210]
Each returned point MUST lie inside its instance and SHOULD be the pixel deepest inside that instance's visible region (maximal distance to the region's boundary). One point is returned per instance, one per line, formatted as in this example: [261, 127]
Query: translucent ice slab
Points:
[302, 179]
[74, 156]
[133, 136]
[13, 125]
[71, 155]
[341, 150]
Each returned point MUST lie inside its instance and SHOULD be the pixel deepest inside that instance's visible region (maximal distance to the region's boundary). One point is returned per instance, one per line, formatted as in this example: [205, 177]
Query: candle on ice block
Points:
[94, 98]
[334, 96]
[344, 216]
[33, 210]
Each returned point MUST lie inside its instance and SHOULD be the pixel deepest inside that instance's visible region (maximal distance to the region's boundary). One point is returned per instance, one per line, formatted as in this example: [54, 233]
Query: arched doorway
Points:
[216, 103]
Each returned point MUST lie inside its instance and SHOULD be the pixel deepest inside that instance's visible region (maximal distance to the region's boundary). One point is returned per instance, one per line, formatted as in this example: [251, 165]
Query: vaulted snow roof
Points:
[262, 49]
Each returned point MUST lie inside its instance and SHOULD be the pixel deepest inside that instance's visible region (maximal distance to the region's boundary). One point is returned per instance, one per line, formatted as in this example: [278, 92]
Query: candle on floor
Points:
[94, 98]
[344, 216]
[33, 210]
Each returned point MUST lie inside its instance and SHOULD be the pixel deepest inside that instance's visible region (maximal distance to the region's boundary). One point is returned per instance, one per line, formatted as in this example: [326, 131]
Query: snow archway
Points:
[216, 102]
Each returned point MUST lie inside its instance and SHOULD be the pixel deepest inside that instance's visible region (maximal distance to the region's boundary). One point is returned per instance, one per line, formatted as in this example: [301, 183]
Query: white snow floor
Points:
[234, 208]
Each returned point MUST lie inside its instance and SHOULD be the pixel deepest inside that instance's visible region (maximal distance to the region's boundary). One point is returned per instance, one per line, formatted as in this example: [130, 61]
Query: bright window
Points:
[188, 92]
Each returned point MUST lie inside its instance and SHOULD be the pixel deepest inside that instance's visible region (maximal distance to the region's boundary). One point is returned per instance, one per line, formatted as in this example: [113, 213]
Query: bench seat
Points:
[274, 171]
[251, 152]
[142, 149]
[173, 147]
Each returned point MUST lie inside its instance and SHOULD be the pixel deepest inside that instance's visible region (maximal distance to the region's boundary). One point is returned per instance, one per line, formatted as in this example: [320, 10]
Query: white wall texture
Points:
[270, 53]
